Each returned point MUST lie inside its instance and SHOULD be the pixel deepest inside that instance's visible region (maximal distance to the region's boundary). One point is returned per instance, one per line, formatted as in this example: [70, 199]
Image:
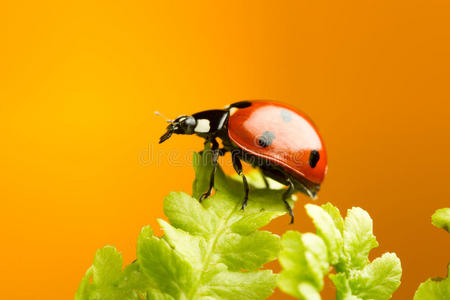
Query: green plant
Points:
[437, 288]
[344, 245]
[212, 250]
[441, 219]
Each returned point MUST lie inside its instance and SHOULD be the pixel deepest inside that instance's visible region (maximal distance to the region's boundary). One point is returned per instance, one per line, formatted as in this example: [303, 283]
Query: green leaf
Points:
[256, 179]
[108, 280]
[437, 288]
[163, 266]
[206, 247]
[308, 291]
[239, 285]
[251, 221]
[343, 291]
[304, 260]
[107, 266]
[85, 286]
[247, 252]
[190, 247]
[378, 280]
[189, 215]
[441, 219]
[345, 244]
[212, 250]
[434, 289]
[335, 214]
[358, 237]
[154, 294]
[203, 168]
[327, 230]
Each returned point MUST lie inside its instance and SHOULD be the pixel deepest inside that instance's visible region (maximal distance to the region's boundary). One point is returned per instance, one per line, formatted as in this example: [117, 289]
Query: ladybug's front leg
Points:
[238, 168]
[222, 151]
[215, 155]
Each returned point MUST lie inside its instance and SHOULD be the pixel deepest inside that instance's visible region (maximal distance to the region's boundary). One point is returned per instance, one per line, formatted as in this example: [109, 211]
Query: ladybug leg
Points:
[238, 168]
[222, 151]
[288, 193]
[206, 143]
[266, 182]
[215, 156]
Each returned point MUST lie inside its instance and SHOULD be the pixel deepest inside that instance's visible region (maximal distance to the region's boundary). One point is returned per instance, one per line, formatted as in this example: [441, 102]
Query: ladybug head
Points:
[181, 125]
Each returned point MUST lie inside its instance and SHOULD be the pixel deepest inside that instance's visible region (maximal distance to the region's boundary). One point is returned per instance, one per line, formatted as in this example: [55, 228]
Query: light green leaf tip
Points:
[304, 260]
[335, 214]
[308, 291]
[377, 280]
[108, 280]
[358, 237]
[327, 230]
[441, 219]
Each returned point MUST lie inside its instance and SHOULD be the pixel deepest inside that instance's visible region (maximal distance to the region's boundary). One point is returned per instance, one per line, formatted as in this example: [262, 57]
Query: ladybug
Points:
[276, 138]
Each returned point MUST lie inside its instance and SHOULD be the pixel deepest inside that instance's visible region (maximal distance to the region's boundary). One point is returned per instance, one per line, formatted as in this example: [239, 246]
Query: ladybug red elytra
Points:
[276, 138]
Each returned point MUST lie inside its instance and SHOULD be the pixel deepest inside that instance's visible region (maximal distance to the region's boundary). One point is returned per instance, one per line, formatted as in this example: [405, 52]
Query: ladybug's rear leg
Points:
[266, 182]
[286, 195]
[215, 155]
[238, 168]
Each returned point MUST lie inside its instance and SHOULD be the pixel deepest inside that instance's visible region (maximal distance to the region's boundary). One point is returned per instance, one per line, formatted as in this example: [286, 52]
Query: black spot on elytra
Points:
[286, 115]
[266, 139]
[314, 157]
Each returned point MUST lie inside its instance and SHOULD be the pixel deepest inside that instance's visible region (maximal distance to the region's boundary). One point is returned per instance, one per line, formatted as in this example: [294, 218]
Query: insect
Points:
[276, 138]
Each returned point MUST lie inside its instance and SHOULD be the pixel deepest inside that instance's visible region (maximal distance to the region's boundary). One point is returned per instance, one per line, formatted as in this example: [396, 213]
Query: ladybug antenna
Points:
[160, 114]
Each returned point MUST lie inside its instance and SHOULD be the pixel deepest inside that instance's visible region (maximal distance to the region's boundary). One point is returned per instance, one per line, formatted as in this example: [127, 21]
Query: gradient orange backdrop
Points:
[79, 81]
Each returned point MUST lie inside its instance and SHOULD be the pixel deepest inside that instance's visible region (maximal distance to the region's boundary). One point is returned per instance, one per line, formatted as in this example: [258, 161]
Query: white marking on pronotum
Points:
[202, 126]
[233, 110]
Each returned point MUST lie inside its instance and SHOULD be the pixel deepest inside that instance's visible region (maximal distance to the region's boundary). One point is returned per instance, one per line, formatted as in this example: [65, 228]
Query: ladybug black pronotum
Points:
[278, 139]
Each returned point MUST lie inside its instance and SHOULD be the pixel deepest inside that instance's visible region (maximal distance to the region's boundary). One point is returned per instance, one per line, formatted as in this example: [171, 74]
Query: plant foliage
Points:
[211, 250]
[343, 244]
[437, 288]
[441, 219]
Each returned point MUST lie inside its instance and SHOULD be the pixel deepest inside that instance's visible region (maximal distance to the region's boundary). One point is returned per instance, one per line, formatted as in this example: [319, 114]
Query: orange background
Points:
[80, 81]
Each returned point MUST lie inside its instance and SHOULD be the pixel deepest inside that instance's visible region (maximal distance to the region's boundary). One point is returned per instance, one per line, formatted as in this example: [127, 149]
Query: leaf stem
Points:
[211, 247]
